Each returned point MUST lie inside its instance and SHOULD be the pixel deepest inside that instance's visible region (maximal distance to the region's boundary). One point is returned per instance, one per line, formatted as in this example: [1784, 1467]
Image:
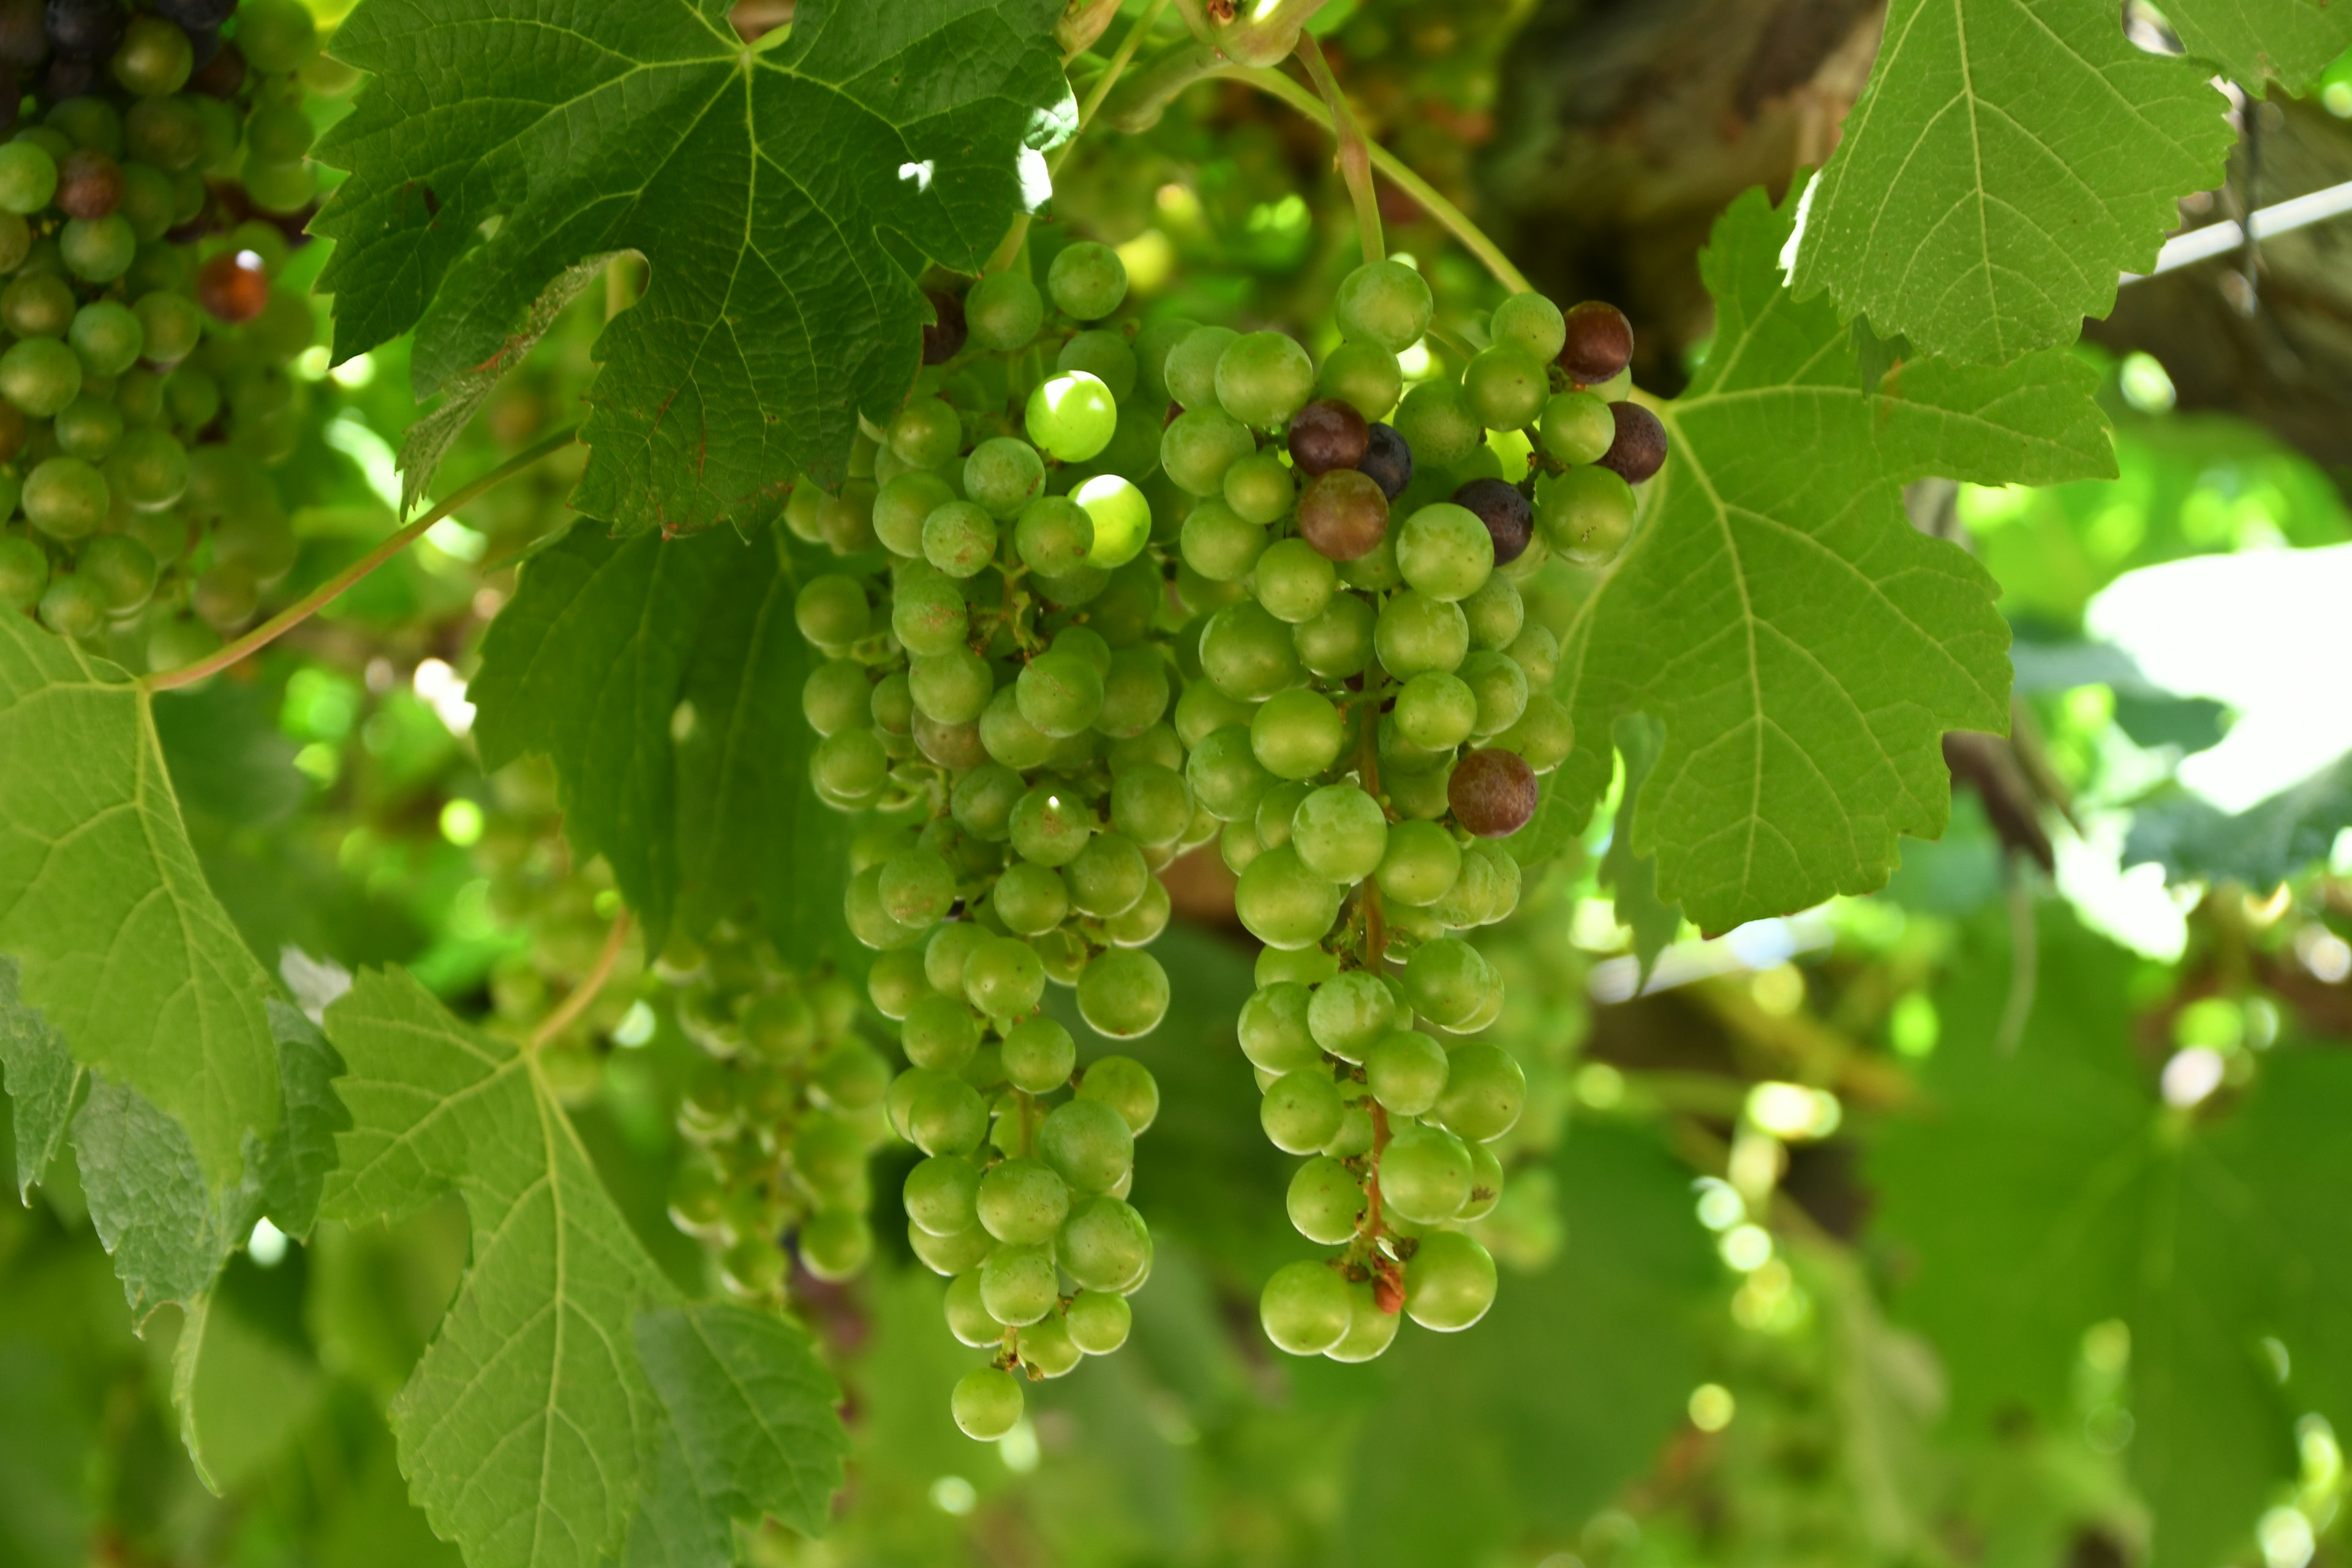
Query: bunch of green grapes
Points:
[784, 1108]
[1000, 691]
[145, 388]
[1372, 722]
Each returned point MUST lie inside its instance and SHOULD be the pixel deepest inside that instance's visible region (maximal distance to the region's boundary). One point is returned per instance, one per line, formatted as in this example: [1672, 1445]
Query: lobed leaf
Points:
[752, 1409]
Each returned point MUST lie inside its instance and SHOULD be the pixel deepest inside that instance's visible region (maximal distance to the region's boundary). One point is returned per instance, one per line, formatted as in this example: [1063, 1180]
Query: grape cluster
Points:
[996, 693]
[784, 1108]
[144, 384]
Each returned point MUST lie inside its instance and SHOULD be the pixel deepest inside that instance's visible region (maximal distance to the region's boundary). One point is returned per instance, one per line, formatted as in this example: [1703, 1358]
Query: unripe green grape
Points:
[1576, 428]
[1238, 845]
[1120, 518]
[836, 1243]
[984, 800]
[950, 1255]
[987, 1400]
[23, 572]
[959, 539]
[40, 376]
[1248, 654]
[1282, 903]
[1123, 1082]
[149, 469]
[1406, 1072]
[1060, 692]
[927, 616]
[828, 1158]
[1105, 1246]
[1142, 921]
[227, 595]
[1447, 981]
[1370, 1330]
[1486, 1090]
[1449, 1283]
[1220, 544]
[149, 201]
[1499, 688]
[946, 1116]
[1471, 901]
[1190, 368]
[1436, 711]
[1004, 978]
[1437, 421]
[1422, 797]
[1275, 809]
[951, 688]
[108, 336]
[120, 569]
[1508, 877]
[74, 607]
[1586, 514]
[99, 250]
[1023, 1202]
[1444, 552]
[1297, 734]
[1339, 643]
[1003, 476]
[1003, 310]
[1273, 1029]
[1089, 1143]
[904, 505]
[849, 767]
[1201, 711]
[917, 887]
[1506, 387]
[944, 956]
[1046, 1349]
[1135, 692]
[276, 36]
[1103, 355]
[926, 433]
[1030, 899]
[1425, 1174]
[88, 427]
[1049, 826]
[1260, 489]
[1053, 535]
[278, 133]
[1384, 303]
[1496, 612]
[967, 1314]
[1086, 280]
[1018, 1285]
[1153, 344]
[1305, 1309]
[1421, 864]
[1417, 633]
[1294, 583]
[1264, 377]
[1365, 376]
[1375, 571]
[850, 1077]
[1544, 735]
[1340, 834]
[1326, 1201]
[1108, 875]
[1072, 415]
[1150, 804]
[1038, 1056]
[831, 612]
[173, 644]
[37, 305]
[28, 177]
[753, 1268]
[65, 498]
[1200, 445]
[1531, 324]
[1098, 1321]
[1350, 1014]
[1010, 740]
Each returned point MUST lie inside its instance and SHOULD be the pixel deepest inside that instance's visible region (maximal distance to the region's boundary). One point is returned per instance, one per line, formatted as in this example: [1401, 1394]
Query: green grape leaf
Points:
[2011, 158]
[295, 1166]
[1804, 647]
[2260, 846]
[42, 1080]
[752, 1409]
[168, 1233]
[778, 193]
[1519, 1425]
[663, 678]
[1632, 880]
[532, 1428]
[2044, 1191]
[674, 1527]
[221, 1358]
[117, 939]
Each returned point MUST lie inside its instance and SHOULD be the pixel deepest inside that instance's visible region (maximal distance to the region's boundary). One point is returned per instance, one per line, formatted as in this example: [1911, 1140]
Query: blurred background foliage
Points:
[1788, 1278]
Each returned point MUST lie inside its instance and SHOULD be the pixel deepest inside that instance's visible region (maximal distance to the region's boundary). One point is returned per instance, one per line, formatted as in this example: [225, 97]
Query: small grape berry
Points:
[1640, 449]
[1493, 792]
[232, 290]
[1599, 343]
[1509, 516]
[1387, 459]
[1327, 435]
[944, 337]
[1344, 515]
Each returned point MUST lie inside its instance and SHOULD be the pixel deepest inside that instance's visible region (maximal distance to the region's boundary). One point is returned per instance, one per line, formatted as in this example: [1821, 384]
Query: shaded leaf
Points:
[752, 1409]
[2260, 846]
[1633, 881]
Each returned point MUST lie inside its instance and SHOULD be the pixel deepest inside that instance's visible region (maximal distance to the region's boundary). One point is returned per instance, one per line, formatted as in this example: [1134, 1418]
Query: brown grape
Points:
[944, 337]
[1599, 343]
[1344, 515]
[1493, 792]
[1387, 459]
[89, 183]
[233, 291]
[1640, 449]
[1327, 435]
[1509, 516]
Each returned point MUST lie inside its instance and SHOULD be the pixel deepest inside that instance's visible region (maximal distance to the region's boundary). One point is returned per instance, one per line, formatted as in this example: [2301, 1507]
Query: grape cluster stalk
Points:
[1184, 586]
[154, 167]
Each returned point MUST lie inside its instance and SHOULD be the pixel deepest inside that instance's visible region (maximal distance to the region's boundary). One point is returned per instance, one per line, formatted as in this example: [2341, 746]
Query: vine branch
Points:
[334, 587]
[585, 991]
[1355, 157]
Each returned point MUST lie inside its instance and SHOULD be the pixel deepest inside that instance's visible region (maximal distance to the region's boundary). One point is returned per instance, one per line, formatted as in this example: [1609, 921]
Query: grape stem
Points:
[1368, 766]
[585, 991]
[334, 587]
[1355, 157]
[1008, 249]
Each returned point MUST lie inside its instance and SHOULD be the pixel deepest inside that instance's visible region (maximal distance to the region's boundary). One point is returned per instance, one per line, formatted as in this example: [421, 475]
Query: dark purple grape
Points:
[194, 13]
[1388, 460]
[24, 31]
[1493, 792]
[1343, 515]
[1327, 435]
[944, 337]
[1640, 449]
[1509, 516]
[66, 76]
[1599, 343]
[89, 183]
[86, 29]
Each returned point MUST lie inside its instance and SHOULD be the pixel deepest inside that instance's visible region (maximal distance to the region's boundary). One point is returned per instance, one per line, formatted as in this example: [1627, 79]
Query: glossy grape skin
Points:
[1406, 1072]
[1506, 387]
[1098, 1321]
[1425, 1174]
[1072, 416]
[1087, 1143]
[1282, 903]
[1416, 633]
[1364, 376]
[1123, 995]
[1598, 342]
[986, 1404]
[1639, 448]
[1349, 1013]
[1439, 424]
[1325, 1202]
[1305, 1309]
[1344, 515]
[1340, 834]
[1087, 280]
[1447, 981]
[1585, 514]
[1387, 460]
[1493, 792]
[1297, 734]
[1444, 552]
[1220, 544]
[1200, 445]
[1327, 435]
[1190, 369]
[1120, 516]
[1385, 303]
[1003, 310]
[1508, 515]
[1530, 323]
[1576, 428]
[1449, 1282]
[1105, 1246]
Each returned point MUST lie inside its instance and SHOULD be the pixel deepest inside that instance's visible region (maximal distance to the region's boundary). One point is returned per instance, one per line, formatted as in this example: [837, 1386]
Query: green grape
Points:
[1294, 583]
[1009, 739]
[944, 956]
[1496, 612]
[1576, 428]
[1326, 1201]
[1030, 899]
[1046, 1349]
[1305, 1308]
[959, 539]
[1544, 735]
[1275, 810]
[1447, 981]
[1123, 993]
[1038, 1056]
[1135, 692]
[1219, 543]
[1425, 1174]
[1086, 280]
[28, 177]
[1004, 978]
[1486, 1180]
[927, 616]
[149, 469]
[276, 36]
[1298, 734]
[174, 644]
[1449, 1282]
[1105, 1246]
[1272, 1028]
[1259, 489]
[1370, 1330]
[1199, 448]
[1103, 355]
[828, 1159]
[1108, 876]
[1416, 633]
[1060, 692]
[1191, 367]
[1301, 1110]
[904, 505]
[831, 612]
[1436, 711]
[1247, 654]
[1506, 387]
[1365, 376]
[1053, 535]
[926, 434]
[835, 697]
[1049, 826]
[1498, 688]
[74, 607]
[1438, 422]
[950, 1255]
[1420, 865]
[1072, 416]
[1004, 476]
[65, 498]
[1018, 1285]
[15, 241]
[1384, 303]
[23, 572]
[1586, 514]
[1089, 1143]
[1150, 804]
[40, 376]
[1202, 709]
[1023, 1202]
[120, 569]
[951, 688]
[1531, 324]
[1003, 311]
[983, 799]
[1143, 921]
[1339, 643]
[1120, 518]
[1263, 378]
[108, 336]
[987, 1401]
[1349, 1013]
[946, 1116]
[1340, 834]
[967, 1314]
[99, 250]
[917, 887]
[1284, 904]
[1406, 1072]
[1098, 1321]
[150, 202]
[754, 1268]
[1444, 552]
[1485, 1092]
[1375, 571]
